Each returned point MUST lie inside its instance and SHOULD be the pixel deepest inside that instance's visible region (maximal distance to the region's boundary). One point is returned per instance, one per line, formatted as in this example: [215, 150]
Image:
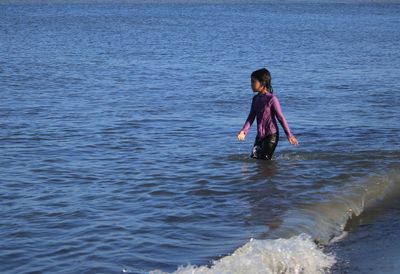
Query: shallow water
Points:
[119, 122]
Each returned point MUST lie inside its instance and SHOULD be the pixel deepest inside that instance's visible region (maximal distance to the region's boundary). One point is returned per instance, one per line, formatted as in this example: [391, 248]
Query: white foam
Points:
[298, 254]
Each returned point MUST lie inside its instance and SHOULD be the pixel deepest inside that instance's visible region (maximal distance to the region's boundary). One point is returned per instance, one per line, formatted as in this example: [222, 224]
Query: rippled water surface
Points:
[118, 134]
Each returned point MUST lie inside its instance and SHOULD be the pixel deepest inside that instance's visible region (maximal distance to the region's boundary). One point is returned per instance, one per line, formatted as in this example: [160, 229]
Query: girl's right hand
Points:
[241, 136]
[293, 140]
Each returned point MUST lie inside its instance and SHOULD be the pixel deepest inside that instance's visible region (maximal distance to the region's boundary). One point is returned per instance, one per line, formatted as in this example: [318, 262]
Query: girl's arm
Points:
[250, 119]
[278, 110]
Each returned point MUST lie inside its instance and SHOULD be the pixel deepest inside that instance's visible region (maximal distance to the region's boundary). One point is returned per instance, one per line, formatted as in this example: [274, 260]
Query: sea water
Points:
[118, 137]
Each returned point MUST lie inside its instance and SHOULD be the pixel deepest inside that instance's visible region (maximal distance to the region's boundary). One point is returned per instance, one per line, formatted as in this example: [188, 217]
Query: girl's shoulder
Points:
[266, 97]
[270, 96]
[271, 99]
[274, 97]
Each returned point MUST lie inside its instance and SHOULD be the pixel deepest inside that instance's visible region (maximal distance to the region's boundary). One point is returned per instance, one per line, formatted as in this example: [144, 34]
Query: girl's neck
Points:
[264, 91]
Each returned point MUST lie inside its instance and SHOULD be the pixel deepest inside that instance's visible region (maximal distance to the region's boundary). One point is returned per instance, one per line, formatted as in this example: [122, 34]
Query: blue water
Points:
[118, 132]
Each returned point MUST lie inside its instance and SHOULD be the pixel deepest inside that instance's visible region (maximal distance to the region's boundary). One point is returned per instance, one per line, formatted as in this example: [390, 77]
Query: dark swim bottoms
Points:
[264, 147]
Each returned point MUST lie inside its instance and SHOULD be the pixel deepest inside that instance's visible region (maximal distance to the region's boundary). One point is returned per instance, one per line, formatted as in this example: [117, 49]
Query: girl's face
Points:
[256, 86]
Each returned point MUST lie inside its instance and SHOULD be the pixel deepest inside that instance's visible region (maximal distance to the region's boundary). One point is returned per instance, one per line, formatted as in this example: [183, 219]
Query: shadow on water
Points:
[262, 169]
[256, 168]
[260, 189]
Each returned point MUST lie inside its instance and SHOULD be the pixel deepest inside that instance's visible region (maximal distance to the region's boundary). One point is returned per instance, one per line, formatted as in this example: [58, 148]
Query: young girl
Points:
[266, 107]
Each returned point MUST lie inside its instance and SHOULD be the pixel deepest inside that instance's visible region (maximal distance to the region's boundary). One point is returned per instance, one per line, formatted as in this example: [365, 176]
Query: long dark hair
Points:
[264, 77]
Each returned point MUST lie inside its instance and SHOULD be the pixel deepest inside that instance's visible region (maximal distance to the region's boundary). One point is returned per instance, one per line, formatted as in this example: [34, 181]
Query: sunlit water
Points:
[118, 136]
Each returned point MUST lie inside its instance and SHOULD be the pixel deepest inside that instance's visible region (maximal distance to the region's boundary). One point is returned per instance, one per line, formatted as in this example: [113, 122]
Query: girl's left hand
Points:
[241, 136]
[293, 140]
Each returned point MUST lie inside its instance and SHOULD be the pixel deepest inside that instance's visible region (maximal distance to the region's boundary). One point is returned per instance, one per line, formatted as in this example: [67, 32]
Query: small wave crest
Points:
[298, 254]
[325, 221]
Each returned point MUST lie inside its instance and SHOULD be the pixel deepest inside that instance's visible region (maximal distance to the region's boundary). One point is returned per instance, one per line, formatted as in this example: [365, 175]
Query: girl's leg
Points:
[256, 151]
[264, 148]
[268, 146]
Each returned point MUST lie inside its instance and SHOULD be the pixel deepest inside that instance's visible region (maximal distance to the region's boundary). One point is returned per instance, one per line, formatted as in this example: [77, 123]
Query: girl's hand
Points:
[293, 140]
[241, 136]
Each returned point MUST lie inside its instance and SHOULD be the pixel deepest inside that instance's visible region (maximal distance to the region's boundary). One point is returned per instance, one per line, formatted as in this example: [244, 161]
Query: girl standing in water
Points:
[266, 107]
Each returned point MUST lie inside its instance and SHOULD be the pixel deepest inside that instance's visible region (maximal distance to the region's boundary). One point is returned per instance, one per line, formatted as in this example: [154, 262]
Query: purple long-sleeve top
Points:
[266, 107]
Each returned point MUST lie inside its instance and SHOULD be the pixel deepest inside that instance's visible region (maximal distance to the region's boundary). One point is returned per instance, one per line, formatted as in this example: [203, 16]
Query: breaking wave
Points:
[297, 246]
